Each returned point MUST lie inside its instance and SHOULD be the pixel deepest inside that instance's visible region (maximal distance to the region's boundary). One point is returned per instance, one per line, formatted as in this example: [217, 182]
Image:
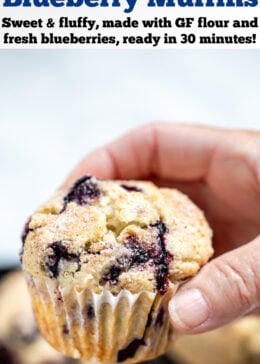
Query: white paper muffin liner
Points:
[101, 327]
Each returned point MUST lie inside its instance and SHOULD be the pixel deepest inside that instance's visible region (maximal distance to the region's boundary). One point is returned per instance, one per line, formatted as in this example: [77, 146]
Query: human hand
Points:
[220, 170]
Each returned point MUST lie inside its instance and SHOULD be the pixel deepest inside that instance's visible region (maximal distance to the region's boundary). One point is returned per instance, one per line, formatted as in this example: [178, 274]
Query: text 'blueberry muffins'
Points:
[101, 260]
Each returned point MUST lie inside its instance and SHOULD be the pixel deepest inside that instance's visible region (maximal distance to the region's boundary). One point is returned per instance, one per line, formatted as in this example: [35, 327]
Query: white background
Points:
[58, 105]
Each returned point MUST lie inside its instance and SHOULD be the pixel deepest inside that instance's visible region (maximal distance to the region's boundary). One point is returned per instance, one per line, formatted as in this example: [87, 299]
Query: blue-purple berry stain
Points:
[112, 274]
[82, 192]
[65, 329]
[162, 258]
[138, 254]
[130, 350]
[59, 252]
[130, 188]
[90, 312]
[26, 230]
[156, 255]
[160, 317]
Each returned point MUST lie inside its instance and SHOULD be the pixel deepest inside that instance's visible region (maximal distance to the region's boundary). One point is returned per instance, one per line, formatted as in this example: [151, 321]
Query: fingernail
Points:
[189, 309]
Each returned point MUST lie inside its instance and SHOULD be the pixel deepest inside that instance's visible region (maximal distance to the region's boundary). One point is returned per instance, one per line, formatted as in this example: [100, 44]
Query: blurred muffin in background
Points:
[236, 343]
[20, 340]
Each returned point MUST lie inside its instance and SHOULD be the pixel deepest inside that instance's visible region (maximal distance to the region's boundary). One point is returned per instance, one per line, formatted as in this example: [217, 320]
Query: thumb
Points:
[226, 288]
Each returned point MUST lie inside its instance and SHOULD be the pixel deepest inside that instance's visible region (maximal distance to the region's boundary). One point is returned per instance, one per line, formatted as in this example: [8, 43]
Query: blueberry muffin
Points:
[236, 343]
[101, 260]
[20, 340]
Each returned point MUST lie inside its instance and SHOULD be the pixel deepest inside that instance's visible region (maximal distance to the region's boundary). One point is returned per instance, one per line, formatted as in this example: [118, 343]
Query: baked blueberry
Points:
[90, 311]
[131, 188]
[59, 252]
[82, 192]
[130, 350]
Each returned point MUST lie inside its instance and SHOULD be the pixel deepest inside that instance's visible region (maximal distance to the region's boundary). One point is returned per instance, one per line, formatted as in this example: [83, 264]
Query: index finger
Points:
[162, 150]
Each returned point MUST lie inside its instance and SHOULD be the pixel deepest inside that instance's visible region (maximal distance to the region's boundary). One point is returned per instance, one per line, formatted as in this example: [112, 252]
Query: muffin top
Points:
[116, 235]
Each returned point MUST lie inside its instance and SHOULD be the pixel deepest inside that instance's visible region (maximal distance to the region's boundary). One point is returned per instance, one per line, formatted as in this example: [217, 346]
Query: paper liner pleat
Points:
[96, 327]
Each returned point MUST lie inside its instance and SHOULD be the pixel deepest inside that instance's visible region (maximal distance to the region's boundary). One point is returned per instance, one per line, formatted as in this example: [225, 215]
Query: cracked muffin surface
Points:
[116, 235]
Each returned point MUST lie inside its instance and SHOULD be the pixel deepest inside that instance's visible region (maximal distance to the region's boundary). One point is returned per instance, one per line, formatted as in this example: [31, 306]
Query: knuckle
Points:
[240, 283]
